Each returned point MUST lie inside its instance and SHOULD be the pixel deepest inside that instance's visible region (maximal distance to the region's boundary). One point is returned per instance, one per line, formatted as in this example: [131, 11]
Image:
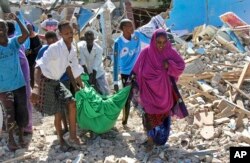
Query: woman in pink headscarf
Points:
[156, 64]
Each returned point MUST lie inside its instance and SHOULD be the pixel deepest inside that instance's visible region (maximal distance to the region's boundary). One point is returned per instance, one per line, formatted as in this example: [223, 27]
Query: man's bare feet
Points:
[76, 140]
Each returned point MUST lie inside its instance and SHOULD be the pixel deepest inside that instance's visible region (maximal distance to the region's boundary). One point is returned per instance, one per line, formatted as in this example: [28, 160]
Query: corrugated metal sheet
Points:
[189, 14]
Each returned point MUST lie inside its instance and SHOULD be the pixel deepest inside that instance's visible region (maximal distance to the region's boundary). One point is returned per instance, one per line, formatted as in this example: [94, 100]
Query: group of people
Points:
[57, 68]
[152, 68]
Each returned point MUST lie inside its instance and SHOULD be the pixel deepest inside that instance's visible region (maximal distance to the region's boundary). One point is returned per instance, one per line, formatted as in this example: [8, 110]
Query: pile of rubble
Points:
[215, 87]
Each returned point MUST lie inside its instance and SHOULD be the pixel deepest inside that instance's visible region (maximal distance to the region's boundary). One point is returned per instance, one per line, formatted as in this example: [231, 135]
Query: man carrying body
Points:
[126, 51]
[91, 60]
[49, 93]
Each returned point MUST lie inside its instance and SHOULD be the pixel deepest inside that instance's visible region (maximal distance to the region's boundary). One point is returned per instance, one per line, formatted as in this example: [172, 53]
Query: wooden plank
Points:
[19, 158]
[242, 75]
[237, 89]
[188, 86]
[221, 120]
[237, 107]
[227, 112]
[192, 58]
[239, 120]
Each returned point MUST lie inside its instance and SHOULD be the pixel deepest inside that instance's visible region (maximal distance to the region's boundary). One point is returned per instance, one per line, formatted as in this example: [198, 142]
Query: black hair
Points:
[50, 34]
[11, 27]
[49, 15]
[89, 33]
[124, 22]
[62, 24]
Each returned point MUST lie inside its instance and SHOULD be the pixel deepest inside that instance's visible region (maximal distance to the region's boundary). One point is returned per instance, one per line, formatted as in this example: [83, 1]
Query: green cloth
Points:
[98, 113]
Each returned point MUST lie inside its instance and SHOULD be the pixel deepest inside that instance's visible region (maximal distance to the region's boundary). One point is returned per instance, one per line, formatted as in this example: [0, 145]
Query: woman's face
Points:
[161, 42]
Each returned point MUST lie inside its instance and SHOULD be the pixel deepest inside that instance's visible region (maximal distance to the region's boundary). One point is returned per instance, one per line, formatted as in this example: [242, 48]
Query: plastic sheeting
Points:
[189, 14]
[84, 16]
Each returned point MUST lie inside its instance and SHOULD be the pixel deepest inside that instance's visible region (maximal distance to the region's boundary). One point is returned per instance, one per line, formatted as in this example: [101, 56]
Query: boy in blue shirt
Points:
[126, 51]
[12, 83]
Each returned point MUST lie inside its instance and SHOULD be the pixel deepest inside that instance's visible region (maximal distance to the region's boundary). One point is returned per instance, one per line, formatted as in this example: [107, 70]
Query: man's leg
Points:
[64, 121]
[22, 143]
[72, 122]
[66, 96]
[7, 101]
[126, 110]
[21, 112]
[58, 126]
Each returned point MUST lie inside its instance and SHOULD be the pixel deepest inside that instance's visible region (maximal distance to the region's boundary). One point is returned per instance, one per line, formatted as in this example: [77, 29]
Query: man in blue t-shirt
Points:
[12, 83]
[126, 51]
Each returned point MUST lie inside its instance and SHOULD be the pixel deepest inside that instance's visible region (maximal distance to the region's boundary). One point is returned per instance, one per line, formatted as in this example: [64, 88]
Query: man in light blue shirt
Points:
[12, 83]
[126, 51]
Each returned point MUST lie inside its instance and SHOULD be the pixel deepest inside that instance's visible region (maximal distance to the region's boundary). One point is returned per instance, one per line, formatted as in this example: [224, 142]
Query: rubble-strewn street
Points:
[119, 145]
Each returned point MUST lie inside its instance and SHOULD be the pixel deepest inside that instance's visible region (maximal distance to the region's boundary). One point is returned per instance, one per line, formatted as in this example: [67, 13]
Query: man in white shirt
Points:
[49, 24]
[91, 60]
[49, 93]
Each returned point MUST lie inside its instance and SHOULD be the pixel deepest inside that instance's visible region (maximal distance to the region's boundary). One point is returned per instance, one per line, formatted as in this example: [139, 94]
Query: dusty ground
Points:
[119, 145]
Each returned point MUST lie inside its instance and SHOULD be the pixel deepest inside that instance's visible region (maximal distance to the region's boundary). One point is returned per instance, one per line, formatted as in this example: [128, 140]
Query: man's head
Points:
[49, 16]
[51, 37]
[126, 26]
[3, 28]
[11, 27]
[66, 31]
[89, 37]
